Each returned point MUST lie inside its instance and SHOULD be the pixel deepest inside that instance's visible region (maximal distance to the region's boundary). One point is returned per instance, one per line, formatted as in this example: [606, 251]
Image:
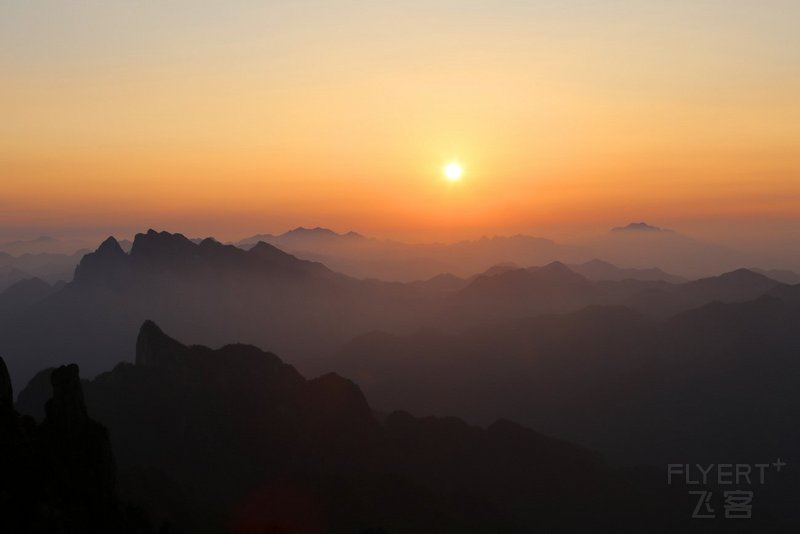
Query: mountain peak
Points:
[155, 243]
[102, 264]
[154, 348]
[318, 230]
[597, 262]
[110, 247]
[745, 275]
[557, 272]
[639, 227]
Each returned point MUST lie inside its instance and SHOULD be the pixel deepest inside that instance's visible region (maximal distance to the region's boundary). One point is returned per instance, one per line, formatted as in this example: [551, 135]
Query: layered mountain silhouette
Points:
[214, 292]
[50, 267]
[45, 245]
[718, 381]
[363, 257]
[602, 270]
[638, 245]
[634, 362]
[641, 245]
[639, 227]
[236, 440]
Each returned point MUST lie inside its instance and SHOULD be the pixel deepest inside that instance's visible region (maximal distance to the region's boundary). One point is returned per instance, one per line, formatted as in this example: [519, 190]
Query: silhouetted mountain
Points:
[363, 257]
[103, 264]
[500, 268]
[10, 276]
[49, 267]
[788, 293]
[736, 286]
[59, 476]
[639, 227]
[299, 237]
[235, 439]
[214, 292]
[23, 294]
[783, 276]
[552, 288]
[720, 381]
[211, 291]
[600, 270]
[640, 245]
[446, 283]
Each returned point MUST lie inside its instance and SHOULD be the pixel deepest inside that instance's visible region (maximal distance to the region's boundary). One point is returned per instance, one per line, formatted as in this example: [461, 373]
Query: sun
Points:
[453, 171]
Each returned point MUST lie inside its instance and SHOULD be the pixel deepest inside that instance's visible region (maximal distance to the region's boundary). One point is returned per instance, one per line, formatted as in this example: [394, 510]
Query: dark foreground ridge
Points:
[235, 440]
[59, 476]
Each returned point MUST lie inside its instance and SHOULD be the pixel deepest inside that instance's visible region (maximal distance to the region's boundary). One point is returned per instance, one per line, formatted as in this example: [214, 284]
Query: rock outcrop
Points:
[59, 476]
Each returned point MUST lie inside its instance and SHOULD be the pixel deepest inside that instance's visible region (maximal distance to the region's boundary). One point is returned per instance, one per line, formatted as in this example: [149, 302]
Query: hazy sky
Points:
[234, 117]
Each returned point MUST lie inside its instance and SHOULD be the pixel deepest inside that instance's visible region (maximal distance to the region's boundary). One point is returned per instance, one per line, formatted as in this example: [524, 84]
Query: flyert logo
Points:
[736, 503]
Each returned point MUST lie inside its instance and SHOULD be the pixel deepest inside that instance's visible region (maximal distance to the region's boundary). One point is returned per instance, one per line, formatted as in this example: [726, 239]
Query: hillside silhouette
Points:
[236, 440]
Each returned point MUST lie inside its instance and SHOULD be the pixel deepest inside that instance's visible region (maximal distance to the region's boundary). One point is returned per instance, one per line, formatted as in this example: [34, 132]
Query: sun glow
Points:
[453, 171]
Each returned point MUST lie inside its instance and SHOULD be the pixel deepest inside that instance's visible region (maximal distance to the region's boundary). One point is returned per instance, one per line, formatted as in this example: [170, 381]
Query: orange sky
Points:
[235, 118]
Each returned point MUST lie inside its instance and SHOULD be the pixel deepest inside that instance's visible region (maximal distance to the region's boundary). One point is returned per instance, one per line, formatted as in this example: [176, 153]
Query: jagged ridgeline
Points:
[214, 293]
[235, 440]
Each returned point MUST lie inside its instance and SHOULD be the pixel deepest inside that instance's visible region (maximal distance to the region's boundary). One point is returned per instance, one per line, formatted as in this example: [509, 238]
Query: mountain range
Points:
[214, 292]
[639, 364]
[236, 440]
[718, 381]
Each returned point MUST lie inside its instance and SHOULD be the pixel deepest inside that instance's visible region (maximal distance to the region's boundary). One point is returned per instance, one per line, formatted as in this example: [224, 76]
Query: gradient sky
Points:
[230, 118]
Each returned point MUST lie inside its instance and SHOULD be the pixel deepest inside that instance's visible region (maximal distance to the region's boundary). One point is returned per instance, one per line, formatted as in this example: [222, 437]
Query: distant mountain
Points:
[22, 295]
[640, 245]
[654, 253]
[45, 245]
[736, 286]
[446, 283]
[210, 291]
[236, 439]
[500, 268]
[49, 267]
[299, 236]
[784, 276]
[10, 276]
[214, 292]
[353, 254]
[639, 227]
[719, 381]
[553, 288]
[600, 270]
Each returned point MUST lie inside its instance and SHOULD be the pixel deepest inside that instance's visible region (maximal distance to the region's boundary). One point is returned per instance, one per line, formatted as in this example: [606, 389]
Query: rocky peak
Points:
[110, 247]
[161, 244]
[102, 264]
